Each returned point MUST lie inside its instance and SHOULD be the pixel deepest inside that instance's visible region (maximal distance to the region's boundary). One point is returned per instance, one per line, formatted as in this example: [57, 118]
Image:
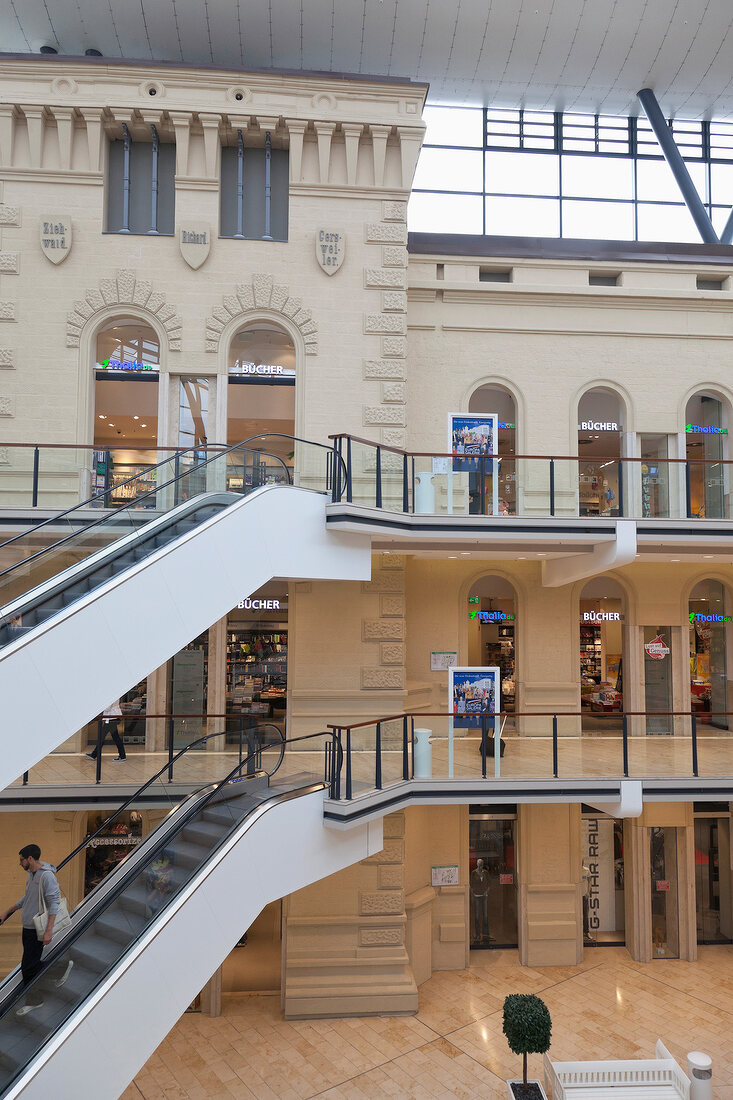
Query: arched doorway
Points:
[709, 612]
[125, 436]
[602, 619]
[261, 390]
[492, 633]
[600, 427]
[496, 399]
[706, 434]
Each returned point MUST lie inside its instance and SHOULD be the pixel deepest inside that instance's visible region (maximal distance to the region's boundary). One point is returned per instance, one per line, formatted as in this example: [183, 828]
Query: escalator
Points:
[147, 939]
[96, 611]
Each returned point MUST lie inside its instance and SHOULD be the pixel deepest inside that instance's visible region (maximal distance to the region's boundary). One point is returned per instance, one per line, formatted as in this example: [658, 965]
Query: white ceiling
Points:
[579, 55]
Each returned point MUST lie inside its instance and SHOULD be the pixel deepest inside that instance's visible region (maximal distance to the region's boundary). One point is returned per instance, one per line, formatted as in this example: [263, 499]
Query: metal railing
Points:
[606, 486]
[533, 745]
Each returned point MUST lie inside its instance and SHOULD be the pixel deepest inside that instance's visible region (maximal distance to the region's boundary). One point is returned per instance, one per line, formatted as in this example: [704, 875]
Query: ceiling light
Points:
[675, 559]
[143, 425]
[454, 556]
[110, 424]
[708, 555]
[136, 418]
[102, 416]
[521, 558]
[541, 555]
[465, 553]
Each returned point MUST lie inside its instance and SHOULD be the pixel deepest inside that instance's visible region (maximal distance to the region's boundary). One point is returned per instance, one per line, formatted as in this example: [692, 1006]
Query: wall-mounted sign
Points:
[259, 605]
[601, 617]
[474, 599]
[662, 884]
[597, 426]
[56, 237]
[330, 249]
[261, 370]
[491, 616]
[194, 240]
[444, 876]
[126, 365]
[705, 429]
[506, 879]
[656, 648]
[506, 424]
[442, 659]
[696, 617]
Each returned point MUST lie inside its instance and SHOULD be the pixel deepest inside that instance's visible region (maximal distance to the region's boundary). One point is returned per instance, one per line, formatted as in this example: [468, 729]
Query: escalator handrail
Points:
[135, 503]
[168, 765]
[127, 873]
[89, 501]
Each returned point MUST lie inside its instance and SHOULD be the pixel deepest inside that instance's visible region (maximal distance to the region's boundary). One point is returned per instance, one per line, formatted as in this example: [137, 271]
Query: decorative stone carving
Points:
[7, 311]
[9, 215]
[56, 233]
[375, 369]
[4, 456]
[378, 630]
[194, 239]
[393, 393]
[383, 582]
[330, 248]
[392, 852]
[377, 323]
[124, 290]
[394, 256]
[379, 233]
[394, 210]
[7, 358]
[392, 653]
[382, 679]
[394, 437]
[380, 937]
[393, 561]
[9, 263]
[394, 346]
[394, 300]
[389, 903]
[383, 276]
[392, 606]
[7, 406]
[261, 293]
[380, 414]
[390, 878]
[394, 825]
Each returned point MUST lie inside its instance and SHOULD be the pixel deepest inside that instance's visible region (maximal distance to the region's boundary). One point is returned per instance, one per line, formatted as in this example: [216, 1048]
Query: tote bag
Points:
[63, 920]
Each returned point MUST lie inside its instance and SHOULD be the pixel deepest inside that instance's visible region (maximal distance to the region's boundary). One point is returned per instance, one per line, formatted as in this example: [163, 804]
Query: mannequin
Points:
[480, 902]
[585, 877]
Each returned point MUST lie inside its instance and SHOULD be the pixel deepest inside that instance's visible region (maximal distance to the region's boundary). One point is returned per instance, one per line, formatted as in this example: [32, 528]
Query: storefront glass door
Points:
[658, 679]
[713, 880]
[664, 893]
[603, 880]
[492, 882]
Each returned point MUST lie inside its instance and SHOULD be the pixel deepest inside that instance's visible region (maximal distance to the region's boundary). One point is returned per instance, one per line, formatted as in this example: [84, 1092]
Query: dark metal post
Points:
[240, 185]
[482, 485]
[405, 486]
[412, 479]
[483, 746]
[268, 185]
[552, 486]
[554, 746]
[171, 722]
[349, 486]
[625, 729]
[412, 743]
[688, 489]
[378, 489]
[378, 760]
[620, 488]
[335, 474]
[154, 188]
[241, 741]
[36, 460]
[674, 159]
[405, 751]
[25, 779]
[348, 762]
[98, 760]
[125, 179]
[694, 744]
[107, 477]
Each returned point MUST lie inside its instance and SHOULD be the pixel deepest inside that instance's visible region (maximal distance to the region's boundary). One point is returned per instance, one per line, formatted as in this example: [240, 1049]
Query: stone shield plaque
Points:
[55, 233]
[330, 249]
[195, 242]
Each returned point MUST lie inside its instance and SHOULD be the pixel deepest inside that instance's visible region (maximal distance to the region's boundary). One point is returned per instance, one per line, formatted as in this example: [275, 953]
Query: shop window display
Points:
[492, 882]
[112, 846]
[602, 880]
[601, 611]
[710, 624]
[257, 660]
[494, 399]
[492, 633]
[600, 426]
[664, 893]
[658, 679]
[713, 879]
[189, 675]
[261, 389]
[706, 437]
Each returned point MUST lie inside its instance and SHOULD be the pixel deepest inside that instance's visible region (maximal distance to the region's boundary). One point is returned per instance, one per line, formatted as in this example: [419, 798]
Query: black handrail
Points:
[89, 501]
[197, 805]
[120, 511]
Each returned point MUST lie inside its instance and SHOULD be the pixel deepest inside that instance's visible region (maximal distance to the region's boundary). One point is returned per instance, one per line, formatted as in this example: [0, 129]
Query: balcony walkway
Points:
[608, 1007]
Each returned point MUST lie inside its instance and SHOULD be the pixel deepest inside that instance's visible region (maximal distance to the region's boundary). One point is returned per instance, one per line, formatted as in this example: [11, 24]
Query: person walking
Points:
[41, 876]
[111, 721]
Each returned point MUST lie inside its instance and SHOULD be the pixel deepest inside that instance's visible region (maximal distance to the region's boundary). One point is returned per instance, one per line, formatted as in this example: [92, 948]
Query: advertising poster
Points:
[472, 693]
[471, 438]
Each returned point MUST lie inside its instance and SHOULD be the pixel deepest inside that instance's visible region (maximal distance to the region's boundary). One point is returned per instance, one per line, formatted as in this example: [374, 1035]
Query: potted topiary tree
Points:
[527, 1026]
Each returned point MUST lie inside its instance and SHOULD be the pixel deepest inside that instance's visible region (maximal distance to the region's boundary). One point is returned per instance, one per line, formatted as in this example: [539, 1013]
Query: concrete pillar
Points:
[549, 873]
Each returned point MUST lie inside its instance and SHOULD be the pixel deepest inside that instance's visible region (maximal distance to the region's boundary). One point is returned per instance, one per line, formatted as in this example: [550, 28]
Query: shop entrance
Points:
[710, 623]
[255, 964]
[602, 627]
[261, 390]
[257, 661]
[658, 679]
[494, 399]
[713, 878]
[125, 410]
[492, 627]
[664, 893]
[600, 428]
[603, 880]
[492, 879]
[705, 436]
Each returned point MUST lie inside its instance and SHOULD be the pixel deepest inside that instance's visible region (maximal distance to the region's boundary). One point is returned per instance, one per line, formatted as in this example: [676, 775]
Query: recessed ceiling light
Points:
[143, 425]
[454, 556]
[708, 555]
[521, 558]
[102, 416]
[542, 555]
[136, 418]
[110, 424]
[675, 559]
[465, 553]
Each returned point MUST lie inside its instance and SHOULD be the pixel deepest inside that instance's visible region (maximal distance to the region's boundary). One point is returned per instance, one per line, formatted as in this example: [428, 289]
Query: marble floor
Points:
[608, 1007]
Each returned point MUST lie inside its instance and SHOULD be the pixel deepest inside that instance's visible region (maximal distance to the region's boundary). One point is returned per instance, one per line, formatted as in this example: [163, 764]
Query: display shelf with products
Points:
[591, 651]
[122, 472]
[110, 847]
[257, 665]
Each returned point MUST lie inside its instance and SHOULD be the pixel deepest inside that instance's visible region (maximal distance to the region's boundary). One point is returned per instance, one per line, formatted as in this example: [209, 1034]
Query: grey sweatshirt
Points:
[31, 902]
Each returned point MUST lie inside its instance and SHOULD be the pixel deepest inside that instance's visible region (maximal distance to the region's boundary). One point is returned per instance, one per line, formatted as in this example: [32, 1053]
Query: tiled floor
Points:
[609, 1007]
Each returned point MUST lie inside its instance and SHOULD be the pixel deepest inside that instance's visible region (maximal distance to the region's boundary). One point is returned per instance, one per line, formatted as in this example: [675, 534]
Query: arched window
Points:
[710, 624]
[125, 407]
[600, 425]
[706, 434]
[261, 390]
[496, 399]
[492, 632]
[602, 616]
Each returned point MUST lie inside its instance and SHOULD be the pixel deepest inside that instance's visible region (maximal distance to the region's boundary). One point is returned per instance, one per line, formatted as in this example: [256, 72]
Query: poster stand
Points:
[473, 441]
[473, 693]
